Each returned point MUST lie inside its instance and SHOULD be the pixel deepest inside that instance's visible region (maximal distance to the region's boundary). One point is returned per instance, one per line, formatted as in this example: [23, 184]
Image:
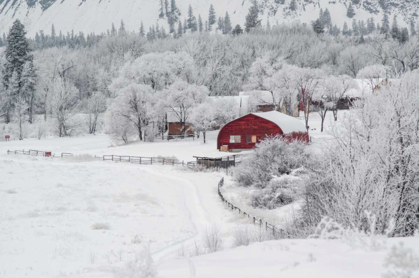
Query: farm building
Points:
[243, 133]
[174, 126]
[263, 101]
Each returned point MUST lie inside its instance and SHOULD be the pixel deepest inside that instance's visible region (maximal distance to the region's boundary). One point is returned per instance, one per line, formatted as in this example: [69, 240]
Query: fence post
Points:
[254, 220]
[129, 159]
[140, 159]
[151, 161]
[112, 157]
[163, 161]
[266, 225]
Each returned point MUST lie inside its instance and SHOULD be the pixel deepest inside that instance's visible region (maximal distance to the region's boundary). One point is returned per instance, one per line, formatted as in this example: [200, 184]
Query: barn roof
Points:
[287, 123]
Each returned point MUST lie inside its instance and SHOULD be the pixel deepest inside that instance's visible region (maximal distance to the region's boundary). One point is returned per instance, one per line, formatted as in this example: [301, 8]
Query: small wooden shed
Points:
[245, 132]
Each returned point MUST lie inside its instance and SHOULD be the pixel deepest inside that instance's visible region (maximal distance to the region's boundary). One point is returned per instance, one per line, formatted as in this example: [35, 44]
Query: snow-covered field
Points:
[79, 218]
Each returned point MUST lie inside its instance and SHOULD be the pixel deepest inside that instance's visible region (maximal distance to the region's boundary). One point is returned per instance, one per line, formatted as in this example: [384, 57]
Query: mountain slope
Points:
[98, 15]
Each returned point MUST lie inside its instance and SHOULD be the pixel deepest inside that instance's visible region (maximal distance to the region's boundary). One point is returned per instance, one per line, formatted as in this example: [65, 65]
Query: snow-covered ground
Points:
[79, 218]
[313, 258]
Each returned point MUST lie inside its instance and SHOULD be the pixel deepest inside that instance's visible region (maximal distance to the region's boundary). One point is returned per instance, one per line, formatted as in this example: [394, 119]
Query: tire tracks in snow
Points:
[197, 214]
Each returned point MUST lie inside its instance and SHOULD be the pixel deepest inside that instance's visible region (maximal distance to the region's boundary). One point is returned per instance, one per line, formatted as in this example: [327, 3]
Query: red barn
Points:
[243, 133]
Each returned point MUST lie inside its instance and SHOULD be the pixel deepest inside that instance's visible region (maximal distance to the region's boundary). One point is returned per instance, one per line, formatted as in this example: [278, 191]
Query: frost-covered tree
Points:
[62, 101]
[385, 25]
[134, 103]
[375, 74]
[96, 105]
[372, 165]
[203, 118]
[156, 70]
[181, 98]
[191, 21]
[225, 110]
[200, 24]
[318, 26]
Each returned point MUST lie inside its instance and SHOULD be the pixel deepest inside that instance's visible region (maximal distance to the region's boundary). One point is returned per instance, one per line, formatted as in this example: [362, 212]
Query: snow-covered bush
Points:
[401, 262]
[141, 265]
[212, 239]
[245, 235]
[272, 157]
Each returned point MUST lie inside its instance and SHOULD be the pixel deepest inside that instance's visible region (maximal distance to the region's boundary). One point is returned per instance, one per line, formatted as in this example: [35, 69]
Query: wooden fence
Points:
[276, 232]
[143, 160]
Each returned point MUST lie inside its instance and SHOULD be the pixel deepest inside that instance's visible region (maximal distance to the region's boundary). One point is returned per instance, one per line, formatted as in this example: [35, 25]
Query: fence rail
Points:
[143, 160]
[276, 232]
[32, 152]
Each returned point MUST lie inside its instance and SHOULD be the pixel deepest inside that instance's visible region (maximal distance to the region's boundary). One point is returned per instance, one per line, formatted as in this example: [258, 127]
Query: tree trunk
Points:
[335, 115]
[204, 133]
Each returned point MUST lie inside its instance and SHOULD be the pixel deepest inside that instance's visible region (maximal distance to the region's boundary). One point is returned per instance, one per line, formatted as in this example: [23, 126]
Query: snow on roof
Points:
[260, 97]
[287, 123]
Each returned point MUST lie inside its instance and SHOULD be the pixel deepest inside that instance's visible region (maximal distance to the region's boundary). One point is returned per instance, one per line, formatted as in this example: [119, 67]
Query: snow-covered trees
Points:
[63, 101]
[96, 105]
[252, 18]
[372, 165]
[156, 70]
[19, 63]
[331, 91]
[180, 99]
[132, 105]
[375, 74]
[203, 118]
[225, 110]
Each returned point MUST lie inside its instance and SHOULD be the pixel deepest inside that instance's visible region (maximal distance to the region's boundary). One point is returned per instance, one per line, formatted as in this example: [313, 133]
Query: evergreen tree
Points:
[350, 12]
[345, 30]
[318, 26]
[371, 25]
[113, 30]
[179, 30]
[122, 28]
[237, 30]
[220, 24]
[361, 40]
[268, 24]
[206, 26]
[191, 22]
[385, 27]
[227, 24]
[252, 18]
[404, 35]
[200, 24]
[185, 26]
[211, 17]
[327, 19]
[166, 8]
[355, 28]
[362, 28]
[356, 2]
[412, 28]
[142, 31]
[293, 5]
[395, 31]
[162, 13]
[53, 35]
[27, 92]
[18, 54]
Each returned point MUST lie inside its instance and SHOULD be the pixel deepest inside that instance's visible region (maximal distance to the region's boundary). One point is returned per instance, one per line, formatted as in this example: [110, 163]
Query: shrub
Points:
[272, 157]
[213, 240]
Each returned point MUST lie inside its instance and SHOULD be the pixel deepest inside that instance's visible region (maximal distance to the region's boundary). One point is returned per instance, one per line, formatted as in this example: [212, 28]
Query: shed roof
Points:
[287, 123]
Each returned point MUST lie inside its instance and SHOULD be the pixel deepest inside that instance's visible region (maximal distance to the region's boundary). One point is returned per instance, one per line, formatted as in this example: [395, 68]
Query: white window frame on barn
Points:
[235, 139]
